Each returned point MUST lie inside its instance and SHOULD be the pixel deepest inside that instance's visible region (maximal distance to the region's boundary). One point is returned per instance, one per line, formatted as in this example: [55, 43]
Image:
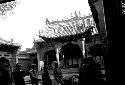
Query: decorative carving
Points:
[7, 7]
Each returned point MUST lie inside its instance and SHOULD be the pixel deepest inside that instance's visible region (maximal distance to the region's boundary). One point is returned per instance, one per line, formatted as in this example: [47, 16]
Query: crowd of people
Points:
[89, 73]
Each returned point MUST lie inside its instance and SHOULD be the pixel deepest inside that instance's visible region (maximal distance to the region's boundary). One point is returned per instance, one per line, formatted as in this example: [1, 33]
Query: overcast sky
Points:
[30, 15]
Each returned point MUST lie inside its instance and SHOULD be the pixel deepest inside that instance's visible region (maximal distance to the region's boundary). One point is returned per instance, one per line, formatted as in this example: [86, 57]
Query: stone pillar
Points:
[13, 60]
[83, 47]
[37, 48]
[38, 59]
[57, 55]
[16, 59]
[58, 47]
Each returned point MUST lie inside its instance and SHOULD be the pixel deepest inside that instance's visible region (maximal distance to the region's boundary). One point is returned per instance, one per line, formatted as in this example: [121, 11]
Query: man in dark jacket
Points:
[90, 73]
[19, 75]
[34, 75]
[45, 77]
[5, 72]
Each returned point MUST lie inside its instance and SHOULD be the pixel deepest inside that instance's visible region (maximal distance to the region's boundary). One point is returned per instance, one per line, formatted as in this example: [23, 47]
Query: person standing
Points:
[90, 72]
[45, 77]
[5, 72]
[19, 75]
[82, 70]
[34, 75]
[57, 74]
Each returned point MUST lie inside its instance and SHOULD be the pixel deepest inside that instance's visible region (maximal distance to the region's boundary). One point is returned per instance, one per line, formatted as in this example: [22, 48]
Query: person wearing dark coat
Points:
[57, 74]
[34, 75]
[90, 72]
[45, 77]
[5, 72]
[19, 75]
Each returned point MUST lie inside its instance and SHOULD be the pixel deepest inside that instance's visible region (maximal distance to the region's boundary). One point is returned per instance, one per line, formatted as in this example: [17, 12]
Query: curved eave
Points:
[67, 38]
[8, 48]
[9, 43]
[11, 46]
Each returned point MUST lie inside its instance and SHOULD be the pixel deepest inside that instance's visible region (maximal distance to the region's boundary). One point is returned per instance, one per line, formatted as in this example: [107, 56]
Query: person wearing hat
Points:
[34, 75]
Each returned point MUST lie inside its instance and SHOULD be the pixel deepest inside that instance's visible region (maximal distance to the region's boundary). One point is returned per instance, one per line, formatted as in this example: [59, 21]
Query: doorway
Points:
[72, 55]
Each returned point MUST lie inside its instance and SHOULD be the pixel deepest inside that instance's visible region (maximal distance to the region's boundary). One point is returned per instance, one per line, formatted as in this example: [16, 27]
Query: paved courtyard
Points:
[66, 74]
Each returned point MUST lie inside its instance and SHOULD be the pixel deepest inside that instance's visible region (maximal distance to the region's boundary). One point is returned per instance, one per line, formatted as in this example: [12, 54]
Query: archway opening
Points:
[72, 55]
[49, 57]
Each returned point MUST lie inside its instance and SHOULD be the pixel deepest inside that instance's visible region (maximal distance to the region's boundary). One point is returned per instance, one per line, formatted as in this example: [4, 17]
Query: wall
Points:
[26, 60]
[11, 56]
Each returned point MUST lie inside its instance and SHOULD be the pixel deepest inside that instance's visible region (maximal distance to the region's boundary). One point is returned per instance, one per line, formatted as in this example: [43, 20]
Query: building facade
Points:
[64, 41]
[27, 57]
[9, 50]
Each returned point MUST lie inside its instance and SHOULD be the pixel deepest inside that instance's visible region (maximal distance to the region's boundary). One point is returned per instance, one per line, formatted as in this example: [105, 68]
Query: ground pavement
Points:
[66, 73]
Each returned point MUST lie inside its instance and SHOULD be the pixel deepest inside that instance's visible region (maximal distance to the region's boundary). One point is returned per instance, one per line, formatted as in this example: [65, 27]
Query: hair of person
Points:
[33, 66]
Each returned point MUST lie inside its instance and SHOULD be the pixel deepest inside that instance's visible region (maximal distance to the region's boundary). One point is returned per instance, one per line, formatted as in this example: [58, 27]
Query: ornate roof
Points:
[70, 27]
[5, 42]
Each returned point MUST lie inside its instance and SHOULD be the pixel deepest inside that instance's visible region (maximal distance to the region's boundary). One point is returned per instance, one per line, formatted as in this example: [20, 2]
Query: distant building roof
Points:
[32, 50]
[38, 40]
[5, 42]
[28, 51]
